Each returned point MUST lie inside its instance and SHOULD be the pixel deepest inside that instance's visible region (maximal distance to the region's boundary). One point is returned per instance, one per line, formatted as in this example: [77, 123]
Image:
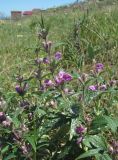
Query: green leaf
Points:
[10, 157]
[96, 141]
[5, 149]
[102, 121]
[75, 75]
[98, 122]
[31, 139]
[72, 128]
[18, 111]
[106, 157]
[98, 156]
[64, 152]
[87, 140]
[62, 133]
[40, 111]
[16, 122]
[89, 153]
[111, 123]
[90, 52]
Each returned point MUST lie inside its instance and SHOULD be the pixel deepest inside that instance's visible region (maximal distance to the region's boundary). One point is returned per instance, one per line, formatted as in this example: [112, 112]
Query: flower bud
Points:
[2, 117]
[80, 129]
[103, 87]
[38, 60]
[24, 149]
[48, 83]
[21, 90]
[24, 104]
[93, 88]
[43, 34]
[99, 67]
[47, 46]
[113, 83]
[46, 60]
[6, 123]
[84, 77]
[111, 150]
[19, 79]
[30, 116]
[79, 140]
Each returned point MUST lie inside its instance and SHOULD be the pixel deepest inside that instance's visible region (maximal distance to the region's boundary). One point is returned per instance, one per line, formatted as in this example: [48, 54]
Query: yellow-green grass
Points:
[18, 40]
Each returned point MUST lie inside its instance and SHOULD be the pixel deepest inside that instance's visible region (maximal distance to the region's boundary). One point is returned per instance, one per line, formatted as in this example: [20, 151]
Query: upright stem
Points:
[83, 99]
[34, 124]
[34, 158]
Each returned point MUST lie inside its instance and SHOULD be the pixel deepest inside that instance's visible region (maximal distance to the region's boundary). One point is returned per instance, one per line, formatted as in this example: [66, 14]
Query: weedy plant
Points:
[60, 114]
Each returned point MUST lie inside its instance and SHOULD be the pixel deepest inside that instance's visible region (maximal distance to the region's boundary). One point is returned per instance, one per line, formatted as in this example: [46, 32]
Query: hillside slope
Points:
[99, 29]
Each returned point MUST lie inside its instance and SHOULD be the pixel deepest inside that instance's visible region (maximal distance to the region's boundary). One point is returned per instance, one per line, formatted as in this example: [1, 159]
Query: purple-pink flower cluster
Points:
[44, 60]
[59, 79]
[80, 130]
[94, 88]
[48, 83]
[21, 90]
[47, 46]
[99, 67]
[4, 120]
[62, 77]
[58, 55]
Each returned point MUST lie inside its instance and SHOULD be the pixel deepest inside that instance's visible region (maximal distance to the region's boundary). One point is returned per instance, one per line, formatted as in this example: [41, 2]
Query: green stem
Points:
[34, 158]
[83, 99]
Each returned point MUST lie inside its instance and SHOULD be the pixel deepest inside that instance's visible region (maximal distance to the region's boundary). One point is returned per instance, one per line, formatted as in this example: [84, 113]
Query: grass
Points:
[98, 32]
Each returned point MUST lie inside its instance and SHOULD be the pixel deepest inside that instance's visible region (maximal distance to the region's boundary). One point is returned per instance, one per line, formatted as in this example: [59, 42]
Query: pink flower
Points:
[92, 88]
[67, 77]
[103, 87]
[21, 90]
[59, 80]
[99, 67]
[63, 77]
[48, 83]
[58, 55]
[80, 129]
[79, 140]
[46, 60]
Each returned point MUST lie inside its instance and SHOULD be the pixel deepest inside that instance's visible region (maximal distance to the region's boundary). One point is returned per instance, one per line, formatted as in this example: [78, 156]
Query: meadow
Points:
[59, 84]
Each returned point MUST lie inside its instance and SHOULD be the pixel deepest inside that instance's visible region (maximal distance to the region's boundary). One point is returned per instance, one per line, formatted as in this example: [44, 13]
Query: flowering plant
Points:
[59, 113]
